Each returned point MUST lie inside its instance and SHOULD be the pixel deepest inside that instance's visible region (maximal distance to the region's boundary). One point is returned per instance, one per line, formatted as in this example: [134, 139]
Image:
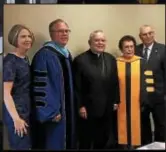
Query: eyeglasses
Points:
[62, 31]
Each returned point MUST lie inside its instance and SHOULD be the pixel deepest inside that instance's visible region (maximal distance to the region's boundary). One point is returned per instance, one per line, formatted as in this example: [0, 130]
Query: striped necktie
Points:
[145, 54]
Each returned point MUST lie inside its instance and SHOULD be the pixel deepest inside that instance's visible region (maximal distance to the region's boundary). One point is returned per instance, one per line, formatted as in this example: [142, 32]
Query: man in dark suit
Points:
[155, 55]
[97, 94]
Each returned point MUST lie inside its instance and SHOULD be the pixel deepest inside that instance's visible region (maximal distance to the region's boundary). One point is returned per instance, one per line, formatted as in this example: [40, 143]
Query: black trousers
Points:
[146, 132]
[97, 133]
[158, 114]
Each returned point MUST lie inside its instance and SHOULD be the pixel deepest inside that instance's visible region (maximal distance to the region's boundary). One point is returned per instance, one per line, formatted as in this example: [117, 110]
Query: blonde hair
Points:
[14, 32]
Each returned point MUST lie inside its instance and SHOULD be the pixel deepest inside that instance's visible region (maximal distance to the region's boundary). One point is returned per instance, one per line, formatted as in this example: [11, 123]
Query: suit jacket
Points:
[95, 90]
[157, 63]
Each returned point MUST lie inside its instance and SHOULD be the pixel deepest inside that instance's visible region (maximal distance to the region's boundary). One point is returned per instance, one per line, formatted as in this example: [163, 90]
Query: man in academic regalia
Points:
[97, 94]
[53, 90]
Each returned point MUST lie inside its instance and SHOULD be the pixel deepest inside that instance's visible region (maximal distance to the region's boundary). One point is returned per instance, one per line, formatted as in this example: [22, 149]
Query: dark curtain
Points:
[70, 1]
[161, 2]
[20, 1]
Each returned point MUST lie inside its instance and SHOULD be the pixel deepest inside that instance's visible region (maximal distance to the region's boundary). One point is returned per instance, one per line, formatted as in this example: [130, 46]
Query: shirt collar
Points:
[149, 47]
[94, 52]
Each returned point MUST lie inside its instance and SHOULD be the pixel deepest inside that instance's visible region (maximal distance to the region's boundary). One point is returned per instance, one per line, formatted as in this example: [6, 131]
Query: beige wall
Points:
[115, 20]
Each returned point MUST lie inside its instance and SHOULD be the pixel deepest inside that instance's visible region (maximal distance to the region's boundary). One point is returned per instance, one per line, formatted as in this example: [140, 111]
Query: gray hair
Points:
[144, 26]
[94, 33]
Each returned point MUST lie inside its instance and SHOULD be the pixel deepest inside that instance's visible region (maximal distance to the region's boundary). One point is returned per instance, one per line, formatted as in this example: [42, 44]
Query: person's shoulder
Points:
[143, 61]
[81, 56]
[9, 58]
[109, 55]
[43, 52]
[139, 45]
[159, 47]
[160, 44]
[141, 58]
[10, 61]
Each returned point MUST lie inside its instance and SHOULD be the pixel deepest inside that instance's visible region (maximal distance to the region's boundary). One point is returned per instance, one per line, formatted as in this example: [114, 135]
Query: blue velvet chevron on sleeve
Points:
[47, 85]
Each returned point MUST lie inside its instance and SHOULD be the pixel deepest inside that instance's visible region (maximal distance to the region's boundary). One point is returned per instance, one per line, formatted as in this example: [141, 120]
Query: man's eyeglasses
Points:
[62, 31]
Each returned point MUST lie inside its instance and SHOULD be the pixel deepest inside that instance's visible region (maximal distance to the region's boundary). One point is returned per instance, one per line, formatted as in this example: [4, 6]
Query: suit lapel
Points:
[140, 50]
[152, 54]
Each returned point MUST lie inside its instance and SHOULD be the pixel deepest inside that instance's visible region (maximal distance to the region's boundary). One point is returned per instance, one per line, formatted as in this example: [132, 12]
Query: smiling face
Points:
[147, 35]
[128, 49]
[60, 33]
[24, 40]
[98, 42]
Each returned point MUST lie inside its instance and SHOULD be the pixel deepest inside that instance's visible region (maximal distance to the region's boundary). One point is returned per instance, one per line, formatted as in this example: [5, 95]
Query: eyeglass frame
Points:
[62, 31]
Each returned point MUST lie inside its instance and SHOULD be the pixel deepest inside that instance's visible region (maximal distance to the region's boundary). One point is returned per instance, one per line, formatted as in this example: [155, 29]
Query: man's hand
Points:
[83, 112]
[57, 118]
[115, 106]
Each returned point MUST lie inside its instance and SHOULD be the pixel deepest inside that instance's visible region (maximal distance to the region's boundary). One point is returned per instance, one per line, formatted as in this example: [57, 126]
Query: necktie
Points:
[145, 55]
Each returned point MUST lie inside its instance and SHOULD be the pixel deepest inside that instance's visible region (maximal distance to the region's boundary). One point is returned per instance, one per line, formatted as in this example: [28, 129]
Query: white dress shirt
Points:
[149, 50]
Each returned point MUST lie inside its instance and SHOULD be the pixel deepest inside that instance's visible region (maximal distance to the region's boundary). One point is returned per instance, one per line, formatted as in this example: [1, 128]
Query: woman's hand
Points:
[20, 127]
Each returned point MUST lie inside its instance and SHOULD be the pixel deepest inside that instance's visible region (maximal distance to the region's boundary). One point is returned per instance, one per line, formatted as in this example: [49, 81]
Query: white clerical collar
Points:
[98, 54]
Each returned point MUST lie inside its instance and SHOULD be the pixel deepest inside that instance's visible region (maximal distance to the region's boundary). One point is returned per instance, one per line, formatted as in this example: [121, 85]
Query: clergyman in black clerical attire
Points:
[96, 94]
